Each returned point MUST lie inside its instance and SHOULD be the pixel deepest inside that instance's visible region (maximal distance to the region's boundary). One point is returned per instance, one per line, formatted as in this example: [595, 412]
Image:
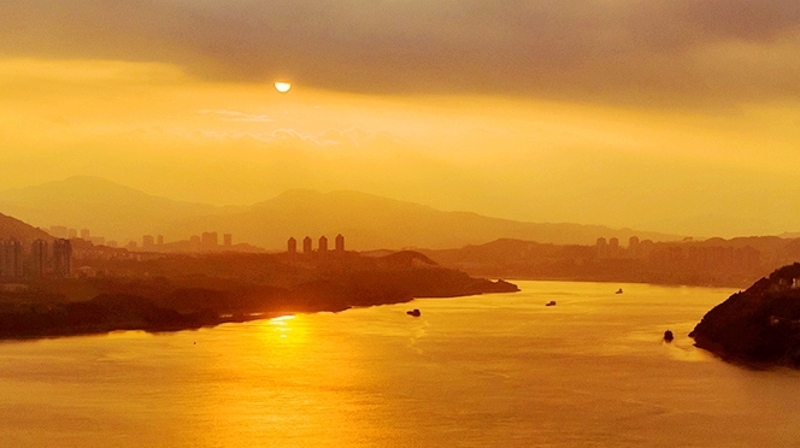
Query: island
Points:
[170, 293]
[758, 327]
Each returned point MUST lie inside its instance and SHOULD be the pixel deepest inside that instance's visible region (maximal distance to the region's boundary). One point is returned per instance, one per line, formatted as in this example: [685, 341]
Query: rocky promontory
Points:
[760, 326]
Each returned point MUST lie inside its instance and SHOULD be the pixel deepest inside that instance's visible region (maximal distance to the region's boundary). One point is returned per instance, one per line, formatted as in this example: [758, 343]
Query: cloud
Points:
[353, 137]
[233, 115]
[621, 50]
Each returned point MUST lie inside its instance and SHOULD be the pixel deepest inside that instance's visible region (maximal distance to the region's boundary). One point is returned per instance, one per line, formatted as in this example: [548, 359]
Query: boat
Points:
[619, 291]
[415, 312]
[550, 303]
[668, 336]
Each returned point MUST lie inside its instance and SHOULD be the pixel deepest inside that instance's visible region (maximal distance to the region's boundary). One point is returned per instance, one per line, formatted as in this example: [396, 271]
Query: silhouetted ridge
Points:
[14, 229]
[369, 221]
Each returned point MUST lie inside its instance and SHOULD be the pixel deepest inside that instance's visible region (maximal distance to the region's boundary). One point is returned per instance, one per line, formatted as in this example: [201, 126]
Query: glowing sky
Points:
[680, 116]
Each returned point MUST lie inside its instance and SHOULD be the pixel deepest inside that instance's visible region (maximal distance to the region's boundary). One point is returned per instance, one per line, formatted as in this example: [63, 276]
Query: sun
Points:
[282, 86]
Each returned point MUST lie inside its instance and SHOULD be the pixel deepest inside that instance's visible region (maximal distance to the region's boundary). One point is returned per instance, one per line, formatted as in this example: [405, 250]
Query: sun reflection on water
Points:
[281, 326]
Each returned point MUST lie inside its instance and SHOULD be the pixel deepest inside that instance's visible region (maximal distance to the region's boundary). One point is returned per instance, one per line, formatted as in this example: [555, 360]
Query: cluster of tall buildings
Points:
[209, 241]
[322, 246]
[69, 233]
[686, 253]
[636, 249]
[40, 261]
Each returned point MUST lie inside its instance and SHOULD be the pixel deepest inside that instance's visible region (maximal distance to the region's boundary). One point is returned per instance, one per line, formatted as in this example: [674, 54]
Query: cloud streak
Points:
[330, 137]
[620, 50]
[233, 115]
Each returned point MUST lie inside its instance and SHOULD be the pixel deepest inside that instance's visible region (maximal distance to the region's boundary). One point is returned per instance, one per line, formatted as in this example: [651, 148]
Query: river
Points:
[493, 370]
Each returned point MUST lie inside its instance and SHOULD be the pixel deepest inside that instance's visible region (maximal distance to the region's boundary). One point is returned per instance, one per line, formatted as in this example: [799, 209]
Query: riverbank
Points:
[166, 309]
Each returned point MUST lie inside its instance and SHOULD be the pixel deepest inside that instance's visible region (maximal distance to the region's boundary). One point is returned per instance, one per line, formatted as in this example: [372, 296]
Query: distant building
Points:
[38, 258]
[72, 233]
[11, 259]
[323, 244]
[602, 248]
[62, 257]
[646, 248]
[148, 242]
[633, 247]
[58, 231]
[160, 240]
[307, 245]
[613, 247]
[227, 240]
[291, 246]
[85, 234]
[209, 240]
[339, 243]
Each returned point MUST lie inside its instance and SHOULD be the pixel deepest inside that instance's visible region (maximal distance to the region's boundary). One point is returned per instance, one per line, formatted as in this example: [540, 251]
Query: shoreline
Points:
[106, 314]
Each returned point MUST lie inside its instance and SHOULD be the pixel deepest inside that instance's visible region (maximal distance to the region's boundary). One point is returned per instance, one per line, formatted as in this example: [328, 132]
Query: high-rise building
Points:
[209, 240]
[601, 247]
[10, 259]
[38, 258]
[323, 244]
[148, 242]
[62, 257]
[291, 246]
[160, 240]
[633, 247]
[227, 240]
[307, 245]
[339, 243]
[85, 234]
[613, 247]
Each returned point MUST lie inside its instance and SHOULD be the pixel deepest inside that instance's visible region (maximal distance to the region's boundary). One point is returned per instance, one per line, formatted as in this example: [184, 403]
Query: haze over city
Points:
[671, 116]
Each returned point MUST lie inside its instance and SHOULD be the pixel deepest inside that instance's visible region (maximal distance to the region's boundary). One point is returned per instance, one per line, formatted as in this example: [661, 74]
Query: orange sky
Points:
[678, 116]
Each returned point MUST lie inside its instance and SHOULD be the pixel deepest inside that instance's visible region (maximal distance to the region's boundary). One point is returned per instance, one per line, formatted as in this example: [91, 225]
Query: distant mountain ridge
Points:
[14, 229]
[367, 221]
[97, 204]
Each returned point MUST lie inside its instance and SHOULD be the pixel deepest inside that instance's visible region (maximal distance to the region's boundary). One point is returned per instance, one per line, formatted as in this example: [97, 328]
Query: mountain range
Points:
[367, 221]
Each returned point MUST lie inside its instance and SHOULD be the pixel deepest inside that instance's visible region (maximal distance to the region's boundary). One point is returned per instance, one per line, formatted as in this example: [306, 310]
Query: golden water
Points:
[494, 370]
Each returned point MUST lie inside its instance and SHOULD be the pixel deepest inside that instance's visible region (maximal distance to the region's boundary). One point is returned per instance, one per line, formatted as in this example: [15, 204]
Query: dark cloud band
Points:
[642, 49]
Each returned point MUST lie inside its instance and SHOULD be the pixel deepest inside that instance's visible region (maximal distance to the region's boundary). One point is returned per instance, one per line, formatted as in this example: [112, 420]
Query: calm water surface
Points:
[494, 370]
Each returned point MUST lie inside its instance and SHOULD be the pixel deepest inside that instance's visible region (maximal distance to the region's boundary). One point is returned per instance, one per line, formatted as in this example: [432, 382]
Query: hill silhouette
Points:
[371, 222]
[12, 228]
[759, 326]
[367, 221]
[94, 203]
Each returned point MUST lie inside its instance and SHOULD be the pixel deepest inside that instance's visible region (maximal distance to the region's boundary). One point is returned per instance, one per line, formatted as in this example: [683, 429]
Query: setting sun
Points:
[282, 87]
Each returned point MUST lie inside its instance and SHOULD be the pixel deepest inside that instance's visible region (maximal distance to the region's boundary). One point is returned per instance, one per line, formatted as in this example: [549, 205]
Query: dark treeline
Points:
[173, 292]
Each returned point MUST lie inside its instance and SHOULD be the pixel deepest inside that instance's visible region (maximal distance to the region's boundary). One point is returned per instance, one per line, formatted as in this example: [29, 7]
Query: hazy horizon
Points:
[679, 117]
